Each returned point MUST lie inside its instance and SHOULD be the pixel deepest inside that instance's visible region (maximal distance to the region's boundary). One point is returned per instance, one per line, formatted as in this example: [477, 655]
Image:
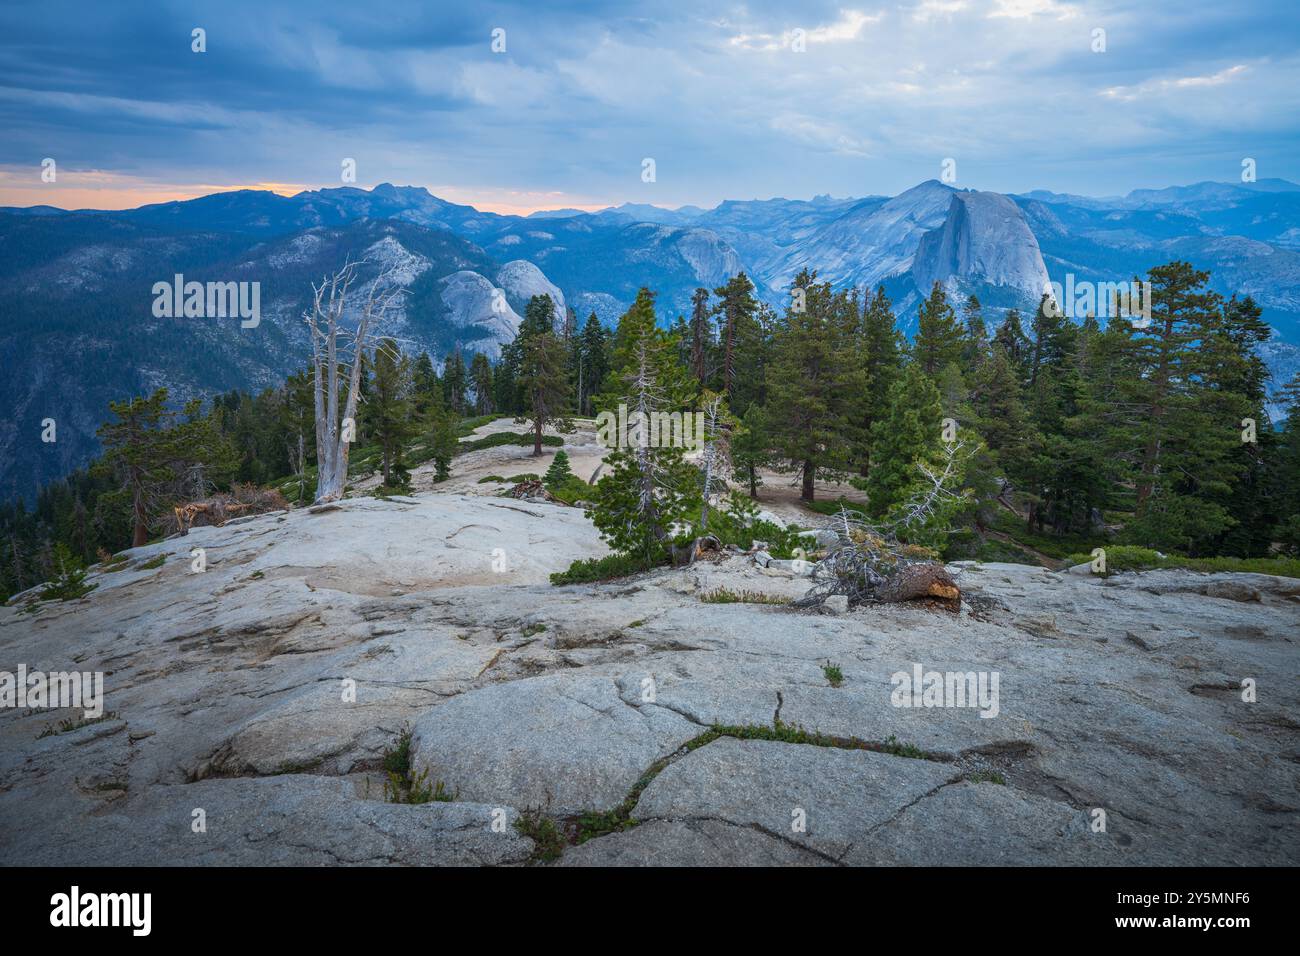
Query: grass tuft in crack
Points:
[405, 786]
[548, 844]
[69, 724]
[834, 676]
[794, 734]
[598, 823]
[728, 596]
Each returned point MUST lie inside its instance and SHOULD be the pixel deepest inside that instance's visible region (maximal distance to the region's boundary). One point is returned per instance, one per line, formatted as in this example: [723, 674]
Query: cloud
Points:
[848, 27]
[711, 89]
[1027, 9]
[1181, 83]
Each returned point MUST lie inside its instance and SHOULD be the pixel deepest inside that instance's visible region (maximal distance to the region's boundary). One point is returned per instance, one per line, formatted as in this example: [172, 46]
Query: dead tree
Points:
[869, 562]
[335, 433]
[715, 457]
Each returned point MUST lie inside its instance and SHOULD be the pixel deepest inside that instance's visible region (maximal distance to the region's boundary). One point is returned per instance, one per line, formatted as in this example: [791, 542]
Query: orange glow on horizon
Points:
[108, 191]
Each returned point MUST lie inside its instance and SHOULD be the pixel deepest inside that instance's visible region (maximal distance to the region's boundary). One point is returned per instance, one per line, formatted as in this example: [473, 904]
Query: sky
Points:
[515, 107]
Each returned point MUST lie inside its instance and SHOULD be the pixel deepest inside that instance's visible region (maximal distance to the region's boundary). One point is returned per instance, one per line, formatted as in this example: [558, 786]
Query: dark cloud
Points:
[712, 91]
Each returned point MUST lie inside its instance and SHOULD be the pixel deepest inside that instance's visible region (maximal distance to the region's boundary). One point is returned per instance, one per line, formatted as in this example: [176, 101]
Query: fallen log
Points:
[914, 582]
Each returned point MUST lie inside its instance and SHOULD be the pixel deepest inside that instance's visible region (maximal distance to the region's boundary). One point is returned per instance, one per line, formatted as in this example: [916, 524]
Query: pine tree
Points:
[135, 455]
[480, 376]
[539, 317]
[391, 413]
[1184, 431]
[1011, 338]
[938, 336]
[297, 428]
[737, 309]
[425, 384]
[455, 380]
[749, 444]
[637, 327]
[200, 457]
[975, 340]
[701, 336]
[649, 486]
[443, 441]
[814, 381]
[558, 473]
[909, 432]
[157, 457]
[1287, 478]
[505, 381]
[752, 354]
[1233, 378]
[1000, 415]
[882, 347]
[544, 381]
[593, 362]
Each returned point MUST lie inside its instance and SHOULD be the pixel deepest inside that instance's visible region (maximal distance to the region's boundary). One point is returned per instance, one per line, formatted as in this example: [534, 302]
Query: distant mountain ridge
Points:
[74, 286]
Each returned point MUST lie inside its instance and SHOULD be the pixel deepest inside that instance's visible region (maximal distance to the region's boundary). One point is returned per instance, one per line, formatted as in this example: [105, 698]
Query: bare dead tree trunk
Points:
[716, 455]
[334, 435]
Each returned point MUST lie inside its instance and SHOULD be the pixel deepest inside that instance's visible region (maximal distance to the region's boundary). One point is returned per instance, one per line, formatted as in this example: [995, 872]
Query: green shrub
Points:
[467, 426]
[1054, 546]
[497, 439]
[992, 549]
[1125, 557]
[602, 569]
[489, 479]
[737, 525]
[397, 758]
[572, 490]
[70, 577]
[831, 508]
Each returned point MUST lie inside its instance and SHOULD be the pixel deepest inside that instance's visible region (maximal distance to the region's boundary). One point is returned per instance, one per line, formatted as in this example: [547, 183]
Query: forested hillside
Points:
[1064, 436]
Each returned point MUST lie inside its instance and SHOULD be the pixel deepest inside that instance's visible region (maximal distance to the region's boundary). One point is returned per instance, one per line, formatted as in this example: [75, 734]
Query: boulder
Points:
[1231, 591]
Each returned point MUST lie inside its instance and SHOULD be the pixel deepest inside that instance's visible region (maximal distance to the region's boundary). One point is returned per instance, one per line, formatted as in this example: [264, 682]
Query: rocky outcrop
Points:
[869, 242]
[522, 280]
[266, 690]
[984, 240]
[475, 303]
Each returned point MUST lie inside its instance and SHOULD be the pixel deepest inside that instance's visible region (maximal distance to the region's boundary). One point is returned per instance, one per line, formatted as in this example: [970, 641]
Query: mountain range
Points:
[75, 287]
